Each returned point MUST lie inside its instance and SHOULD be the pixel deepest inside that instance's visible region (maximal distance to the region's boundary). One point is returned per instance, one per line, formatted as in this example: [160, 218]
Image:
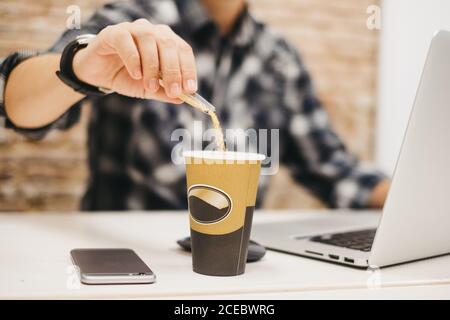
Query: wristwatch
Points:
[66, 73]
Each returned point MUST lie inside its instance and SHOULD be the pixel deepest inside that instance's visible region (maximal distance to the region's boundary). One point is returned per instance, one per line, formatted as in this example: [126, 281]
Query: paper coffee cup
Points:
[222, 189]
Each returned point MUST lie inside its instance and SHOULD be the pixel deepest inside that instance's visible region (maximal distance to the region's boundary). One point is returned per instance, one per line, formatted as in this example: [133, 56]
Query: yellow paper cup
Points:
[222, 189]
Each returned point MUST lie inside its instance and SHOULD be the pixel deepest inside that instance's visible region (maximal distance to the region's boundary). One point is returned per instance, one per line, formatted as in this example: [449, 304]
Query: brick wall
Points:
[332, 35]
[341, 54]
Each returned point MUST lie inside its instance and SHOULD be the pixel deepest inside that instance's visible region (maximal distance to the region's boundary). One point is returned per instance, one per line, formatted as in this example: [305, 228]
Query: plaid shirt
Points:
[253, 77]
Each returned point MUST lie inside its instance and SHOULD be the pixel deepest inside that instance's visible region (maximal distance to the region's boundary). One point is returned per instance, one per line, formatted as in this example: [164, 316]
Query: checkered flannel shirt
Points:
[253, 77]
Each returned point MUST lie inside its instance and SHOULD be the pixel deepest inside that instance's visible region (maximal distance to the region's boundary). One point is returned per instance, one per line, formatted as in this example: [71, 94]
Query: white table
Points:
[35, 263]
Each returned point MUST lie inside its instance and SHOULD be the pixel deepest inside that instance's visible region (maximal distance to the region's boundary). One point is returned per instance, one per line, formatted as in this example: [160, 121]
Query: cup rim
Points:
[224, 155]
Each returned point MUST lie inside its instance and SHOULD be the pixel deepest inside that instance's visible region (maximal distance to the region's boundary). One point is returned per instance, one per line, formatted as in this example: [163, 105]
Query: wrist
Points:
[79, 65]
[67, 73]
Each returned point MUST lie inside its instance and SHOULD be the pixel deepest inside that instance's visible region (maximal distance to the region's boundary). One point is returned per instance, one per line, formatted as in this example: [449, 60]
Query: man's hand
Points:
[130, 58]
[379, 194]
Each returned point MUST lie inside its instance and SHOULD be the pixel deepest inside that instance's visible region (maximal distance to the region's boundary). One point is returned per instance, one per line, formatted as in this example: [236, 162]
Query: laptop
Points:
[415, 221]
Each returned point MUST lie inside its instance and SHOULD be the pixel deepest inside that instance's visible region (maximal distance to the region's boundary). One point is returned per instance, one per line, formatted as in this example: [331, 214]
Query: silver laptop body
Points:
[415, 221]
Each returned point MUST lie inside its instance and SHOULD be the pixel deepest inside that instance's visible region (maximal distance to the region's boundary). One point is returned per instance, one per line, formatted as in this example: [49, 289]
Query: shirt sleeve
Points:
[315, 155]
[99, 20]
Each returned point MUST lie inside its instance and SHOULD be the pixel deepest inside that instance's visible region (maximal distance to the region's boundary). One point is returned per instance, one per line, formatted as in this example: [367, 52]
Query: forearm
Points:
[34, 95]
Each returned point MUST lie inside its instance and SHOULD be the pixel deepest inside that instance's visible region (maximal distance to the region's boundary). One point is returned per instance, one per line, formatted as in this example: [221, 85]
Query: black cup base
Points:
[224, 254]
[217, 275]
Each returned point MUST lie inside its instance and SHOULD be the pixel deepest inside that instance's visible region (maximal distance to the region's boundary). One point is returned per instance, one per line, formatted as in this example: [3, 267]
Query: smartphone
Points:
[111, 266]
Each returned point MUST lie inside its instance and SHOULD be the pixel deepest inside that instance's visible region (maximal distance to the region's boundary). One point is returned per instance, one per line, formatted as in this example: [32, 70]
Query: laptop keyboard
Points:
[357, 240]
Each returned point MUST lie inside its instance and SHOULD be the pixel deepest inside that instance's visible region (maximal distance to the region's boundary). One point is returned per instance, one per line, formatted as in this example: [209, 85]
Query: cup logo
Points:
[208, 204]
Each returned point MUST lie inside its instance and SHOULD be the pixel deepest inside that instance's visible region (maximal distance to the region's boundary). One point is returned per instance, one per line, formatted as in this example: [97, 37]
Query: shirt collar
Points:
[244, 30]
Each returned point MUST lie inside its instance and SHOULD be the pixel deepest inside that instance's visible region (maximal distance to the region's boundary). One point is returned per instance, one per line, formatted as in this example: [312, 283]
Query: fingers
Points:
[161, 96]
[188, 67]
[120, 39]
[150, 52]
[143, 36]
[170, 65]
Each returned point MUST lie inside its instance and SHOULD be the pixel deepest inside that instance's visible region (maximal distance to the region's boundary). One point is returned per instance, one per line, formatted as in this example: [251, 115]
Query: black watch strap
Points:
[66, 73]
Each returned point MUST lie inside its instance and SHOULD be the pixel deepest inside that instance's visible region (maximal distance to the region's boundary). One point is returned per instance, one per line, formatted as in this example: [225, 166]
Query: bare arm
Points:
[34, 95]
[127, 58]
